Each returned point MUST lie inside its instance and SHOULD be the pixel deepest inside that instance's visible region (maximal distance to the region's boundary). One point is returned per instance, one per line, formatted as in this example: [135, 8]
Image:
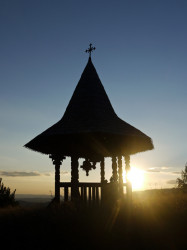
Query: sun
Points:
[136, 177]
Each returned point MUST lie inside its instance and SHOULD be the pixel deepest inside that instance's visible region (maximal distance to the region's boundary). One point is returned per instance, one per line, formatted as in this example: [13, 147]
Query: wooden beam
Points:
[81, 184]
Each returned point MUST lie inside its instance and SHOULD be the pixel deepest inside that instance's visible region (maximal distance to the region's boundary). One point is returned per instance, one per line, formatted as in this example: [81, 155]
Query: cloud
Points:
[165, 168]
[171, 182]
[153, 170]
[27, 174]
[64, 172]
[46, 174]
[22, 173]
[176, 172]
[19, 173]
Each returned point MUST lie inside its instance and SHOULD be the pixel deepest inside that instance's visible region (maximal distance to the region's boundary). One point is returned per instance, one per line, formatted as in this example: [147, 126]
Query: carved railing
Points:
[89, 192]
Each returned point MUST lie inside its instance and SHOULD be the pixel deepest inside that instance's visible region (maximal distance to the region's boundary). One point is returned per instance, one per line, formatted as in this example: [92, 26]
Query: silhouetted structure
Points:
[90, 129]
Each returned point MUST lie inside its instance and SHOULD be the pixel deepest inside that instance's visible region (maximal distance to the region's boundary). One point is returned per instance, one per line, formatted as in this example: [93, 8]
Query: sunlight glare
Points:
[136, 177]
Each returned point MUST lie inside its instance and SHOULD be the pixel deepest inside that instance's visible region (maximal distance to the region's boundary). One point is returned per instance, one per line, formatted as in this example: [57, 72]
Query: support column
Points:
[114, 180]
[120, 174]
[102, 164]
[114, 170]
[74, 177]
[129, 185]
[57, 161]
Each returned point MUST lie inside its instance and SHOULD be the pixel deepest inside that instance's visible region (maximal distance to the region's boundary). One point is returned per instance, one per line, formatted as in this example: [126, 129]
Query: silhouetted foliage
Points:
[6, 197]
[182, 182]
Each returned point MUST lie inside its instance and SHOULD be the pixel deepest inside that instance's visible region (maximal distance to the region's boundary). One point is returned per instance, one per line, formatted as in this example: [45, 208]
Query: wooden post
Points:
[102, 164]
[90, 195]
[74, 178]
[114, 170]
[93, 195]
[65, 193]
[120, 173]
[57, 161]
[85, 194]
[114, 181]
[82, 193]
[129, 185]
[97, 195]
[57, 181]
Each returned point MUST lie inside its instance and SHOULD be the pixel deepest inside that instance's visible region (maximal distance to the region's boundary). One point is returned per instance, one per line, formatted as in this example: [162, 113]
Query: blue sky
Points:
[141, 58]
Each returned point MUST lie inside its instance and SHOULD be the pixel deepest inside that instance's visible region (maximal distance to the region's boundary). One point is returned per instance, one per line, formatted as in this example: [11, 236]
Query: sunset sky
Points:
[141, 59]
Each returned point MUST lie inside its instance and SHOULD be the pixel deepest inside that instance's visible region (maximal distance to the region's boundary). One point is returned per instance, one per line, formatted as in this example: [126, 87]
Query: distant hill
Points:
[27, 200]
[25, 196]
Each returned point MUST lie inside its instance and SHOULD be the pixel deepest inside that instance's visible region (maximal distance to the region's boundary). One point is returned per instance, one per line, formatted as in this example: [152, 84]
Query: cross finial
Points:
[90, 49]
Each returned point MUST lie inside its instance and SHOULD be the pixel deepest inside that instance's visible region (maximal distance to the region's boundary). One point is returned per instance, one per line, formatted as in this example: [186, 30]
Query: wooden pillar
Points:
[120, 174]
[85, 194]
[66, 193]
[102, 164]
[82, 193]
[114, 180]
[129, 185]
[90, 194]
[93, 195]
[74, 177]
[57, 181]
[114, 170]
[57, 161]
[97, 194]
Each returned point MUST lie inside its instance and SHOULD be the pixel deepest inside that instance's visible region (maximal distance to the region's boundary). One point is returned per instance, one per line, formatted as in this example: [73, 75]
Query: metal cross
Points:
[90, 49]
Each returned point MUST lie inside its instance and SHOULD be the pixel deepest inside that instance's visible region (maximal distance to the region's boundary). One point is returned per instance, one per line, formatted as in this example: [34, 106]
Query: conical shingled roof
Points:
[90, 127]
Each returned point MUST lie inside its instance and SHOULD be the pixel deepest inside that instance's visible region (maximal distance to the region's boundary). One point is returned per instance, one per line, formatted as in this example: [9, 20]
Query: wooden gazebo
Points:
[90, 129]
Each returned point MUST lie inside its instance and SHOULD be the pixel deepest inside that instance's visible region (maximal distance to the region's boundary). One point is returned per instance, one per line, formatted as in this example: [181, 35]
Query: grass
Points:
[158, 220]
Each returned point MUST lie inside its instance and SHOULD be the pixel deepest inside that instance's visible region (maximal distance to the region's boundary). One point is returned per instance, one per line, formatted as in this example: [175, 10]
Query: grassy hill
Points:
[158, 220]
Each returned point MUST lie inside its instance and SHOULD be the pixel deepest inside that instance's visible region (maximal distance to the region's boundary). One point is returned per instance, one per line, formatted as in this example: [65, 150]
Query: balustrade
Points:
[89, 192]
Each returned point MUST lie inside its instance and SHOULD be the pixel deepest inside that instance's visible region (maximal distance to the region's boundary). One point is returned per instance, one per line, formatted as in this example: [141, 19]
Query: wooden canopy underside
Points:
[91, 145]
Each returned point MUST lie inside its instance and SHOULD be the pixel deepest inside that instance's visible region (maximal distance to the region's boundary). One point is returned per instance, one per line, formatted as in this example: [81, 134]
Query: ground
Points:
[157, 220]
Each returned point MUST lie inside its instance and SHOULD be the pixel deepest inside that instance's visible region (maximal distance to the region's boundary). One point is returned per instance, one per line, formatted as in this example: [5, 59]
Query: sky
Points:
[141, 59]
